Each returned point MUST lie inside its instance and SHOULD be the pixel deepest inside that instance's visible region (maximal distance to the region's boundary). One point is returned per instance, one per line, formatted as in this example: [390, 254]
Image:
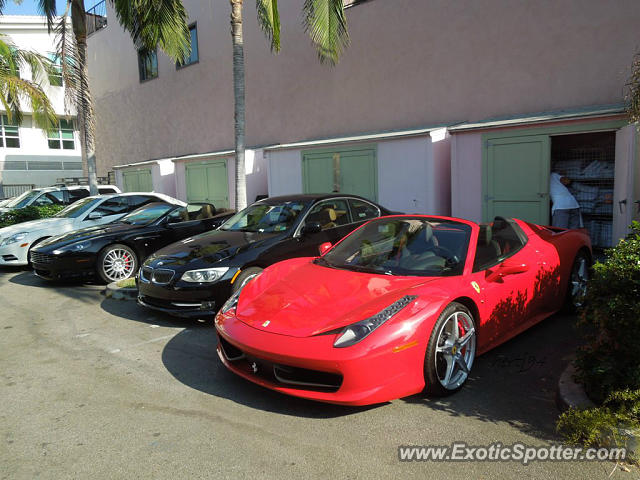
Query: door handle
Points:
[542, 194]
[621, 203]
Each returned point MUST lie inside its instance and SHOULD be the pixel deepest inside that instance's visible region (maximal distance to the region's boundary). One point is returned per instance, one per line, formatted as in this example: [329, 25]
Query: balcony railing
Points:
[96, 17]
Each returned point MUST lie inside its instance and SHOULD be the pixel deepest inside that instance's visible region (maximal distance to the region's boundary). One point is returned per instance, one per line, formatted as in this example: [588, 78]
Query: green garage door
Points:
[352, 170]
[516, 178]
[137, 180]
[208, 182]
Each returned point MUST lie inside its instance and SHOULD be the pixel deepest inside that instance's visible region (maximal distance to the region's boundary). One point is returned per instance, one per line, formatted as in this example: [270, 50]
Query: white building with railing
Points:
[29, 155]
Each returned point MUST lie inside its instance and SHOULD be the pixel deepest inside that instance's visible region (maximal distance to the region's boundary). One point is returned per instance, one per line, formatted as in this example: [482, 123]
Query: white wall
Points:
[284, 172]
[466, 176]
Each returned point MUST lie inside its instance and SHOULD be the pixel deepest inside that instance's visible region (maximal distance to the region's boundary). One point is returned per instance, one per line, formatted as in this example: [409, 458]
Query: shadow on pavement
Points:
[130, 310]
[191, 358]
[516, 382]
[74, 289]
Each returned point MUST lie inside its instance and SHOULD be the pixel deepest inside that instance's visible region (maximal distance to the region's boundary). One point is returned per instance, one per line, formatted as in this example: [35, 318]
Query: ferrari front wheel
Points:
[451, 351]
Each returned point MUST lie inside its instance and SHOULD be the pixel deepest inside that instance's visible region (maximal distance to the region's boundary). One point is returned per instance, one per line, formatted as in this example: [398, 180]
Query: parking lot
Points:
[100, 388]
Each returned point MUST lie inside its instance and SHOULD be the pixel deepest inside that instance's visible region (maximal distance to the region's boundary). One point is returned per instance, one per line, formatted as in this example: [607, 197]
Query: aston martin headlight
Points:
[16, 237]
[205, 275]
[360, 330]
[233, 299]
[74, 247]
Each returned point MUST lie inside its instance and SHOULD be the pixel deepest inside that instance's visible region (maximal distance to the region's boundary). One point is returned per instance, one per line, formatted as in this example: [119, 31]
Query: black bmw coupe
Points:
[195, 276]
[114, 251]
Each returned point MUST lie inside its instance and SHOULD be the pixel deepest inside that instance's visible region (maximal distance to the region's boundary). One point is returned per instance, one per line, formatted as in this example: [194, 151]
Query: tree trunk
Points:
[84, 106]
[238, 94]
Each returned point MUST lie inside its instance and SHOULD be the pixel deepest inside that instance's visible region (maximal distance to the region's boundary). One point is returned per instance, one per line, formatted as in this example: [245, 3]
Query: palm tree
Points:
[151, 24]
[634, 90]
[326, 24]
[15, 90]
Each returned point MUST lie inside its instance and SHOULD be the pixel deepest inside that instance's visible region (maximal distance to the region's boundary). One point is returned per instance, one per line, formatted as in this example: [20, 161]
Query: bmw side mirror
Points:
[311, 227]
[94, 216]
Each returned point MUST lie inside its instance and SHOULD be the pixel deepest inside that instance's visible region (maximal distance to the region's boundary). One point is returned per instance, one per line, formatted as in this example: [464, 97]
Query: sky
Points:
[29, 7]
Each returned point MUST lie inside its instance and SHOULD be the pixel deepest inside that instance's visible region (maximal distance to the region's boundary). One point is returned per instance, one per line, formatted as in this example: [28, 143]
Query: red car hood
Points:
[300, 299]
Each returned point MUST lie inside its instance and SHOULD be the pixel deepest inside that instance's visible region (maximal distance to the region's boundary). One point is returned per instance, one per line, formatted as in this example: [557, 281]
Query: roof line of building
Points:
[542, 117]
[386, 135]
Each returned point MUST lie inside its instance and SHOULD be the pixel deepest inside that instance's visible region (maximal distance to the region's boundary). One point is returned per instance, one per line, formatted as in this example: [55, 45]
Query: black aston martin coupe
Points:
[195, 276]
[114, 251]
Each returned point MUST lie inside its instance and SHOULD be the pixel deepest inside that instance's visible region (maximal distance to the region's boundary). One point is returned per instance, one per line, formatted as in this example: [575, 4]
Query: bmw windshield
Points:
[264, 218]
[403, 246]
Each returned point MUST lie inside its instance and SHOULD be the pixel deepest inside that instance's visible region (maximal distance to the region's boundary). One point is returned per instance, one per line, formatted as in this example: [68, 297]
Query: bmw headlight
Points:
[205, 275]
[16, 237]
[233, 299]
[357, 331]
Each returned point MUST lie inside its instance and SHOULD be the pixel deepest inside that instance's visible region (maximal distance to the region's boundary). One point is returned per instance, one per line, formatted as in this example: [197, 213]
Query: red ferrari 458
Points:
[402, 304]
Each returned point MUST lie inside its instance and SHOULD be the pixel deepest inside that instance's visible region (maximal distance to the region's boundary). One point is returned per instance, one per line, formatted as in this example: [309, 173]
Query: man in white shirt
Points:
[565, 211]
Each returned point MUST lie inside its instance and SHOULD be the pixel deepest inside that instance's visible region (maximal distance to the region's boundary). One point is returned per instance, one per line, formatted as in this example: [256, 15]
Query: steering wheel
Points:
[450, 257]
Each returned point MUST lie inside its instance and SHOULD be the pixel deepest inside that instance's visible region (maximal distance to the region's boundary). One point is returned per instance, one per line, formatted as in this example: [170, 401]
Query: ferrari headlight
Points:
[233, 299]
[16, 237]
[205, 275]
[360, 330]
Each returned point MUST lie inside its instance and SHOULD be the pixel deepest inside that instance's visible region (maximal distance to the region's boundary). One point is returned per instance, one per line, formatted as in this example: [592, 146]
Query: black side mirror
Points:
[311, 227]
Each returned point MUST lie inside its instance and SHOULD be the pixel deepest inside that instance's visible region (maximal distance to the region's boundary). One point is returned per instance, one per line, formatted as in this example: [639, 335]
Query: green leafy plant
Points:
[609, 361]
[28, 213]
[603, 425]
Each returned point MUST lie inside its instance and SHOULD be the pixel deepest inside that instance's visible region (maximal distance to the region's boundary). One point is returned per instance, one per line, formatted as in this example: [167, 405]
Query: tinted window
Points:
[107, 190]
[407, 246]
[140, 200]
[363, 210]
[50, 198]
[497, 242]
[113, 206]
[78, 193]
[78, 208]
[146, 215]
[329, 214]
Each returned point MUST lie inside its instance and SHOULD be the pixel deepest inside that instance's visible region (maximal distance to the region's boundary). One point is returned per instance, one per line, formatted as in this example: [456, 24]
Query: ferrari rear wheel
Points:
[577, 289]
[117, 262]
[451, 351]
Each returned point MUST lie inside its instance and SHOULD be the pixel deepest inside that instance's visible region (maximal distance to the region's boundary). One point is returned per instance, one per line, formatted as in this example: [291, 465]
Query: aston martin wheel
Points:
[451, 351]
[577, 288]
[117, 262]
[244, 277]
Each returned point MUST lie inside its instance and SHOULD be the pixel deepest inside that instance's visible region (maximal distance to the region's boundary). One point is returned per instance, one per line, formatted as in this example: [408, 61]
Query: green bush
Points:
[599, 426]
[28, 213]
[610, 361]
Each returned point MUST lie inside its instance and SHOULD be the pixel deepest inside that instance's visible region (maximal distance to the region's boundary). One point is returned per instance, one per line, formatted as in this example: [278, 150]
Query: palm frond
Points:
[14, 90]
[49, 10]
[269, 21]
[326, 24]
[156, 23]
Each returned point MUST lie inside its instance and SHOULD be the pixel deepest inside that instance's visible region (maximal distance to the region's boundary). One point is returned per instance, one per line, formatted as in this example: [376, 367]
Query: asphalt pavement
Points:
[99, 388]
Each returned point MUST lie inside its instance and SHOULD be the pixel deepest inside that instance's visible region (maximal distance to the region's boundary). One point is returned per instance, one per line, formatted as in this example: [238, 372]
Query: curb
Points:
[115, 292]
[570, 393]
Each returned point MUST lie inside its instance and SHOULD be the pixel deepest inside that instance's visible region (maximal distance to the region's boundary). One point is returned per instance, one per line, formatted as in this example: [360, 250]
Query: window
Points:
[62, 137]
[113, 206]
[193, 58]
[148, 64]
[55, 76]
[362, 210]
[106, 190]
[78, 193]
[10, 135]
[497, 242]
[138, 201]
[329, 214]
[50, 198]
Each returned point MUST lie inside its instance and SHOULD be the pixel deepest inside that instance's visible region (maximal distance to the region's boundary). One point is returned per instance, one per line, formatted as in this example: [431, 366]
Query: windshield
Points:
[261, 217]
[24, 199]
[77, 208]
[403, 246]
[147, 214]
